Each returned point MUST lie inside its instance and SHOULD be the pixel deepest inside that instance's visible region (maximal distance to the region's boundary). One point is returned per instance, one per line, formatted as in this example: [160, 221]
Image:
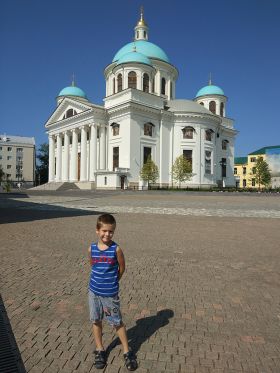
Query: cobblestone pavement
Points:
[200, 293]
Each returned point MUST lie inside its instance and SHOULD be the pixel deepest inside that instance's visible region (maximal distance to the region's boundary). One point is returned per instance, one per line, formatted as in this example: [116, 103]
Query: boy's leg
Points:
[129, 357]
[97, 333]
[121, 332]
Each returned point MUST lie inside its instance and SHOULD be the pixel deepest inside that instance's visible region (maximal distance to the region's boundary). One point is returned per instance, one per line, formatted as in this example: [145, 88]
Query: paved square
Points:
[200, 292]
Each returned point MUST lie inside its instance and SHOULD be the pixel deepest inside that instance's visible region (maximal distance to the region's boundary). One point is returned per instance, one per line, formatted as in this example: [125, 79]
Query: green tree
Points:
[42, 169]
[262, 174]
[149, 172]
[2, 174]
[181, 170]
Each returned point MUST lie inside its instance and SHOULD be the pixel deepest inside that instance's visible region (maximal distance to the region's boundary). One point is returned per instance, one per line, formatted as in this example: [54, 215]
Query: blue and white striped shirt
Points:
[104, 279]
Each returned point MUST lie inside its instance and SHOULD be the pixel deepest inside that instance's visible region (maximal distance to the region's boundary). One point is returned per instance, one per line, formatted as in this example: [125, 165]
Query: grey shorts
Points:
[107, 308]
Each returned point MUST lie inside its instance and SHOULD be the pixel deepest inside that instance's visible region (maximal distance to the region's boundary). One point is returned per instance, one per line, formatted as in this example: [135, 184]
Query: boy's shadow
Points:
[143, 330]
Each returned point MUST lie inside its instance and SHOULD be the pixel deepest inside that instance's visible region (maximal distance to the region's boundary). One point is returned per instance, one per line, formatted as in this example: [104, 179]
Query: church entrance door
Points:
[122, 182]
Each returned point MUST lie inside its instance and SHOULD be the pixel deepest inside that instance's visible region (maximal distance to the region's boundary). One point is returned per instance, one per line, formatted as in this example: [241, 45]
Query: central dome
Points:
[144, 47]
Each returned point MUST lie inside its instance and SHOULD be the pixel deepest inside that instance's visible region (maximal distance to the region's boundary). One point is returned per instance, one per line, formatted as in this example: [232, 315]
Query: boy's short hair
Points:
[105, 219]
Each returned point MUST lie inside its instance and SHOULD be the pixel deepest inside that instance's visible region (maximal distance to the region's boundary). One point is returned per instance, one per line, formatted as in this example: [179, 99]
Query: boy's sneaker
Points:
[100, 359]
[130, 361]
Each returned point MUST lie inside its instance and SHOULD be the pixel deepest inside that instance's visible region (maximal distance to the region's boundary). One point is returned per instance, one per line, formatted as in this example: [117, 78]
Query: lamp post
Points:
[223, 164]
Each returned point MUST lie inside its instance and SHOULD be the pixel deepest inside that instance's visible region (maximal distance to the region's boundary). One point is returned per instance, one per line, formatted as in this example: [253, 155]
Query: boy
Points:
[108, 265]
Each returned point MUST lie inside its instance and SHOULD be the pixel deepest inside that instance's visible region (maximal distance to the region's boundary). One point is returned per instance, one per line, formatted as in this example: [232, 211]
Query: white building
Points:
[106, 146]
[17, 159]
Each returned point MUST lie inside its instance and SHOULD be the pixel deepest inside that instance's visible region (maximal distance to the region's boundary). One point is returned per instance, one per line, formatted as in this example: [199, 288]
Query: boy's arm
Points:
[121, 261]
[89, 256]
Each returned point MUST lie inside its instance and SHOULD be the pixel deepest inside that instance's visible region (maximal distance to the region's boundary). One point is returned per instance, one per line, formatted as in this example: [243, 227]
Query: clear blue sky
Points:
[238, 41]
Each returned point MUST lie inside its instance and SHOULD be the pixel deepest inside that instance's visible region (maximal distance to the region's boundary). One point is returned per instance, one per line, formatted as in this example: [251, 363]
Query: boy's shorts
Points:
[105, 307]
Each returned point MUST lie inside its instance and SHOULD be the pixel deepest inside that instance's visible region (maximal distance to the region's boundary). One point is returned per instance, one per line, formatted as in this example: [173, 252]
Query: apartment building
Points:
[17, 158]
[244, 167]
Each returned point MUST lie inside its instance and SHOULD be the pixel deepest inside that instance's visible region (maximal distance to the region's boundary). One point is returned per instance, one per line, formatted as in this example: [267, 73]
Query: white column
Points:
[66, 157]
[74, 156]
[58, 157]
[51, 158]
[83, 153]
[92, 152]
[102, 147]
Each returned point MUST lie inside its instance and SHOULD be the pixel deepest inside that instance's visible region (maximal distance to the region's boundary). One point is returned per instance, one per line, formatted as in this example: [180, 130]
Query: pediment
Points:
[68, 108]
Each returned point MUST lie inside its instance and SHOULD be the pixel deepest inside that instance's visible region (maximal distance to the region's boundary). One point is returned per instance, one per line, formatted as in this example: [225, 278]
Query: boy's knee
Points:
[97, 322]
[118, 326]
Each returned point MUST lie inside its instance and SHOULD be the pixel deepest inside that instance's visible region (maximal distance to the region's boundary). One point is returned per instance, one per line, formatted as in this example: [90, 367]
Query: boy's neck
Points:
[103, 245]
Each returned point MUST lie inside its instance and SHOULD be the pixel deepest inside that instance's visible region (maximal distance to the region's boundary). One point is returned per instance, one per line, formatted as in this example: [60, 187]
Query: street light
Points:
[223, 164]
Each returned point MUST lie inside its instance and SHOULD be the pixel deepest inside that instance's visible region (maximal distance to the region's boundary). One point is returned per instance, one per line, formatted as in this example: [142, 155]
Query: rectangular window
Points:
[9, 148]
[19, 150]
[188, 155]
[244, 183]
[115, 157]
[0, 148]
[8, 175]
[253, 159]
[9, 157]
[147, 154]
[253, 182]
[208, 156]
[187, 133]
[244, 170]
[235, 171]
[254, 170]
[9, 166]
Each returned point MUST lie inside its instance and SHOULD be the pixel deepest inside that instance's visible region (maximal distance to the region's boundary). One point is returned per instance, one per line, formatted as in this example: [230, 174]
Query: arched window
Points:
[222, 109]
[212, 107]
[114, 87]
[115, 128]
[208, 135]
[148, 129]
[188, 132]
[171, 89]
[146, 82]
[145, 34]
[224, 144]
[132, 80]
[119, 82]
[163, 84]
[202, 103]
[69, 113]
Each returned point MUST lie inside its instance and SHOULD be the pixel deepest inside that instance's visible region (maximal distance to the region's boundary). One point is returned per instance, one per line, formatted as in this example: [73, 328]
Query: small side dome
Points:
[210, 90]
[134, 57]
[72, 91]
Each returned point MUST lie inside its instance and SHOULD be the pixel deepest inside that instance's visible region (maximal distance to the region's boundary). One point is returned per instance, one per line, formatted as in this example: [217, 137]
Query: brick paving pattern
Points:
[200, 293]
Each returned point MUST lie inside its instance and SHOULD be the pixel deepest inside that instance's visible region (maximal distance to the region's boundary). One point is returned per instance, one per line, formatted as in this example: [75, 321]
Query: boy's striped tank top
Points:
[104, 271]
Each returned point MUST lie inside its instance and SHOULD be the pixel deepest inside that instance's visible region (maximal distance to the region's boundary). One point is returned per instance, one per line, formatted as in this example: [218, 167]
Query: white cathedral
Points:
[106, 146]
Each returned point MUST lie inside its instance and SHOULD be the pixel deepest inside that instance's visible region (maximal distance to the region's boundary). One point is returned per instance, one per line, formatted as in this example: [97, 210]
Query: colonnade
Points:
[71, 162]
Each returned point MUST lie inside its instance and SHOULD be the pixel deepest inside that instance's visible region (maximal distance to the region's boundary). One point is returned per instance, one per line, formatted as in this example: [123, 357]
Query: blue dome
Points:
[144, 47]
[72, 91]
[210, 90]
[134, 57]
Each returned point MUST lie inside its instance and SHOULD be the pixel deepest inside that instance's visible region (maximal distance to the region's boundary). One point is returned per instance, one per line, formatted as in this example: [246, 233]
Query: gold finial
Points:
[73, 84]
[210, 79]
[141, 22]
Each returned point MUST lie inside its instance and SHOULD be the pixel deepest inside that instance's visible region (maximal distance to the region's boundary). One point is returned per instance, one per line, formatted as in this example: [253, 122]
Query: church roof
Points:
[210, 90]
[148, 49]
[187, 105]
